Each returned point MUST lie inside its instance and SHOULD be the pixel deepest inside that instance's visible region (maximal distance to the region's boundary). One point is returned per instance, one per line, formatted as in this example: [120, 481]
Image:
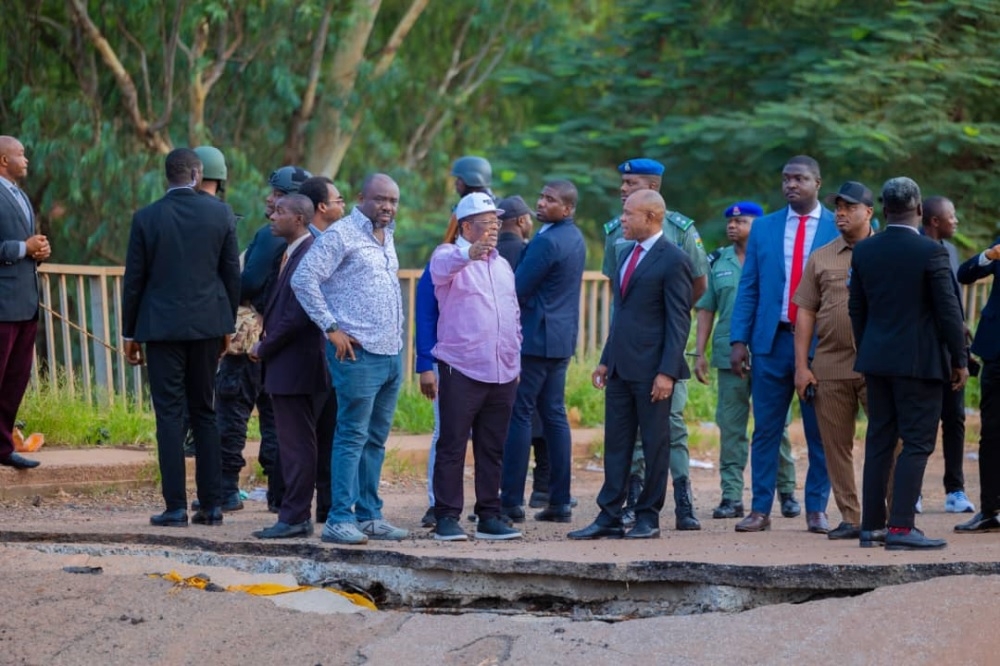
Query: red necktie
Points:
[632, 263]
[797, 260]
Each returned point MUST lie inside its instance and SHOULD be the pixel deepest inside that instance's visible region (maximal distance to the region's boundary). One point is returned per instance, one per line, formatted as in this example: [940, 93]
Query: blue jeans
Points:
[367, 389]
[771, 387]
[542, 385]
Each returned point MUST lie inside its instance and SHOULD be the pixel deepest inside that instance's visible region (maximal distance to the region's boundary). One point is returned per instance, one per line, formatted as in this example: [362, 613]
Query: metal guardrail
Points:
[79, 344]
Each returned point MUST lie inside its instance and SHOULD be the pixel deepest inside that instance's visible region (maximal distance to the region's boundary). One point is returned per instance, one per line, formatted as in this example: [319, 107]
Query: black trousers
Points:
[466, 404]
[326, 425]
[238, 389]
[989, 438]
[181, 374]
[627, 409]
[953, 437]
[898, 408]
[296, 417]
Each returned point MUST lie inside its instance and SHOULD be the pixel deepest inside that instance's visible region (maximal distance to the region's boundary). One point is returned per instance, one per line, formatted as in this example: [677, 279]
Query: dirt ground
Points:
[124, 617]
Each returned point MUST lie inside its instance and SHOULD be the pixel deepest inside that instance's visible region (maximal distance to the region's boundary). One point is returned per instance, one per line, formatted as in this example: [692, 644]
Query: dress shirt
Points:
[20, 198]
[347, 277]
[294, 245]
[479, 327]
[824, 290]
[791, 228]
[647, 245]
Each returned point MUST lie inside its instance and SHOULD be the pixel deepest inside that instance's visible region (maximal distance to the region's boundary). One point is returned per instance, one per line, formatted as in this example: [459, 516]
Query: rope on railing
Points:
[72, 324]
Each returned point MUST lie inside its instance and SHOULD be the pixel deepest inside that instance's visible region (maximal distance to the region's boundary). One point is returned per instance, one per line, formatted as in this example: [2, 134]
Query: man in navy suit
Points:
[763, 322]
[986, 345]
[548, 282]
[21, 248]
[642, 360]
[295, 373]
[179, 296]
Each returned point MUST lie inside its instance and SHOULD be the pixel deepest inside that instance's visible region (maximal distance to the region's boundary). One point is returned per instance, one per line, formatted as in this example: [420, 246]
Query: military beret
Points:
[741, 208]
[641, 166]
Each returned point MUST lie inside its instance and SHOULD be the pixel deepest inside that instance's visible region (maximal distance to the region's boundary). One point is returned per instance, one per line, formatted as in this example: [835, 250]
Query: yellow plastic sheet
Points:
[261, 589]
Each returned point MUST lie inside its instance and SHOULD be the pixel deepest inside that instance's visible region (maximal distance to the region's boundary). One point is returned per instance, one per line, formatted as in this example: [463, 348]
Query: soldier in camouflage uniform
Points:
[637, 174]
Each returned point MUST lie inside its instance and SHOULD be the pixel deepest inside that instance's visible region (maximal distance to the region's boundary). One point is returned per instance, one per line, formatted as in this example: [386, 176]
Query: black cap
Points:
[852, 192]
[513, 208]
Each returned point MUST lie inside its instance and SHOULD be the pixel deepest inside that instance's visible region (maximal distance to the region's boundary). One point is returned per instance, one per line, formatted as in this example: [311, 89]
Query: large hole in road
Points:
[607, 591]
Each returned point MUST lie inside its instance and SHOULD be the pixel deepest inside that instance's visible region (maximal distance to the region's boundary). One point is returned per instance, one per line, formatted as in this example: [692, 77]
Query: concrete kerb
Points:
[109, 468]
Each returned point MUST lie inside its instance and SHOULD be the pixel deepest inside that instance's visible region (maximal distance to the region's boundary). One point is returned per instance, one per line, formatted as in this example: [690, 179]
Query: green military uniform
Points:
[679, 230]
[732, 409]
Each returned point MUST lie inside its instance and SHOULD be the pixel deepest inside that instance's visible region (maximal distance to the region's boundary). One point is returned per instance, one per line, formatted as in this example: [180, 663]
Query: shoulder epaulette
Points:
[682, 222]
[611, 226]
[714, 256]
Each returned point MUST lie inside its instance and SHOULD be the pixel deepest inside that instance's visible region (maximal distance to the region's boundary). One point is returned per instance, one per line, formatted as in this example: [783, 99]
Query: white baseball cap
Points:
[474, 204]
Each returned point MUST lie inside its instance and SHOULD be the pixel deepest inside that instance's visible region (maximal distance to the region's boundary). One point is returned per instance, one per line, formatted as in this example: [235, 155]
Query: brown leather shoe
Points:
[755, 522]
[817, 523]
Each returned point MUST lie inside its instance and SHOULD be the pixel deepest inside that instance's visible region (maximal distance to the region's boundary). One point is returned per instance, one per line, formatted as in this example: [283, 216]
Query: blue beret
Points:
[641, 166]
[744, 208]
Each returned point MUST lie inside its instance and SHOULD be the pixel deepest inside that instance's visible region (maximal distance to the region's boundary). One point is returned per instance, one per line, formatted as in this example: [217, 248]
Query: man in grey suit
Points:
[181, 289]
[20, 251]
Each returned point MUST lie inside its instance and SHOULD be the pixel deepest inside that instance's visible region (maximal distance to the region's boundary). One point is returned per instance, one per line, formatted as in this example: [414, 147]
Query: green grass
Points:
[414, 413]
[68, 420]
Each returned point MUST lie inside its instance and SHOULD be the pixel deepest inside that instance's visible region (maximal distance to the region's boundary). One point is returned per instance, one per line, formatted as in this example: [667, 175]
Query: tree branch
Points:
[148, 135]
[388, 52]
[297, 131]
[146, 89]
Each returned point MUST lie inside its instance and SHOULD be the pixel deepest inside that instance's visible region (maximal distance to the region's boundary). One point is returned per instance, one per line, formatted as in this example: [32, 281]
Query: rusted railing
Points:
[79, 342]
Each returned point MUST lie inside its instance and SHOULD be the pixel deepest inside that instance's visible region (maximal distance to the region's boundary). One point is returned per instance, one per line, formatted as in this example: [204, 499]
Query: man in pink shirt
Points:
[478, 352]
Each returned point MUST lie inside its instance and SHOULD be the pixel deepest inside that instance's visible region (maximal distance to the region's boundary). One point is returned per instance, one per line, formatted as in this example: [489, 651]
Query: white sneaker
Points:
[958, 502]
[919, 506]
[345, 533]
[381, 530]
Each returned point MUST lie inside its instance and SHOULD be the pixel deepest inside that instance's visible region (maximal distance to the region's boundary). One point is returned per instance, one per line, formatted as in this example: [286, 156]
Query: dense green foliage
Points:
[721, 91]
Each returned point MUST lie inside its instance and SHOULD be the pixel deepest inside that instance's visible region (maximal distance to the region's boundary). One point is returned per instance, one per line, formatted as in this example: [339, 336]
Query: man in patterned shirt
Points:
[348, 285]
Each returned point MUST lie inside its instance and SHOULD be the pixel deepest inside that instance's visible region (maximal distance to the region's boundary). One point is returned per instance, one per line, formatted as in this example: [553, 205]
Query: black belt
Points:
[786, 326]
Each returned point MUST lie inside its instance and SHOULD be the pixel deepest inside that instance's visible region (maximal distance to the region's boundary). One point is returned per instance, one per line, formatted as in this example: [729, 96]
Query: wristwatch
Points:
[333, 328]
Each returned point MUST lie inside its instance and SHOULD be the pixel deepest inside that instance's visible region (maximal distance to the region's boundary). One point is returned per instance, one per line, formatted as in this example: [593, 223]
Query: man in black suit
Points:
[181, 289]
[295, 374]
[908, 327]
[21, 248]
[642, 359]
[986, 345]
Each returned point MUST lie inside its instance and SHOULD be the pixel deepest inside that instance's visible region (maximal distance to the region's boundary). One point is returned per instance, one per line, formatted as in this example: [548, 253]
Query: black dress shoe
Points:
[514, 513]
[282, 530]
[643, 530]
[17, 461]
[538, 500]
[789, 505]
[915, 540]
[817, 523]
[175, 518]
[871, 538]
[728, 509]
[555, 513]
[844, 531]
[230, 503]
[597, 531]
[211, 516]
[980, 525]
